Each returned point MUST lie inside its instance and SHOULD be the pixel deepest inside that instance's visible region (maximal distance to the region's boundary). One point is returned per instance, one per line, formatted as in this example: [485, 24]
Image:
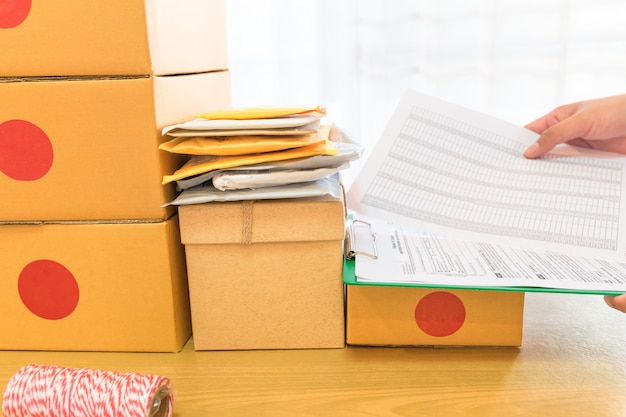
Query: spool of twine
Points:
[54, 391]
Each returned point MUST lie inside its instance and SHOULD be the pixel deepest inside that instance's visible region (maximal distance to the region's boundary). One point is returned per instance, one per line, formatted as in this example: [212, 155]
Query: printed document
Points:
[460, 178]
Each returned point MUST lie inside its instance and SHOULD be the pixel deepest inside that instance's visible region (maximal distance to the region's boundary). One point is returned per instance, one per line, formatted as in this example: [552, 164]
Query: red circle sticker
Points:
[48, 289]
[26, 152]
[440, 314]
[13, 12]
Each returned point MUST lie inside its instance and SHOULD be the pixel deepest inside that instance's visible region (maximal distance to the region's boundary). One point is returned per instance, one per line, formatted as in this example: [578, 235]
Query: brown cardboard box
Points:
[86, 149]
[410, 316]
[89, 286]
[265, 274]
[118, 37]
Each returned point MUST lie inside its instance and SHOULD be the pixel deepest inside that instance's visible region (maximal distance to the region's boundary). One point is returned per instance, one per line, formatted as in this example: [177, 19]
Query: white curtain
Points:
[513, 59]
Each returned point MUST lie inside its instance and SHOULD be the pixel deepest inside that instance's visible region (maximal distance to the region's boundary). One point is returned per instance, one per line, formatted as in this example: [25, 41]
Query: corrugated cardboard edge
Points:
[85, 222]
[71, 78]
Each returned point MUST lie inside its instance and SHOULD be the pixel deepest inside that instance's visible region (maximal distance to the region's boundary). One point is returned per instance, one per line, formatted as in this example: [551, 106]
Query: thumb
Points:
[561, 132]
[618, 303]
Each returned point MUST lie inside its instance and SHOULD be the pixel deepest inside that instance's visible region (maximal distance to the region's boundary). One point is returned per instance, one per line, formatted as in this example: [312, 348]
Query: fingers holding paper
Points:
[598, 124]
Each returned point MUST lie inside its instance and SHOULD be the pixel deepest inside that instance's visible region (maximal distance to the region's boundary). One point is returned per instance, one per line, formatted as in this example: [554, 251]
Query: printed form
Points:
[452, 200]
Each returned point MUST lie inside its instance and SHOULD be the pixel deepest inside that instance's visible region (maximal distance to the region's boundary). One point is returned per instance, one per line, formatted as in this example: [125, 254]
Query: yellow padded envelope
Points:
[201, 164]
[237, 145]
[269, 112]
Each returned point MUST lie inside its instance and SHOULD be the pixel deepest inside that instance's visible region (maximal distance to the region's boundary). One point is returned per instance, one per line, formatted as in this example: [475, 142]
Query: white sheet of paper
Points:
[407, 255]
[457, 173]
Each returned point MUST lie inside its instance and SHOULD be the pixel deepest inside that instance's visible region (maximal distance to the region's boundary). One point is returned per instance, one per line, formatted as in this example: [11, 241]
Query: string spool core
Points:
[160, 405]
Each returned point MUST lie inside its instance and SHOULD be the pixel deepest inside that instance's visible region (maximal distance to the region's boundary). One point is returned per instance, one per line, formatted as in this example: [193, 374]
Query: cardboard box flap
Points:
[246, 222]
[188, 37]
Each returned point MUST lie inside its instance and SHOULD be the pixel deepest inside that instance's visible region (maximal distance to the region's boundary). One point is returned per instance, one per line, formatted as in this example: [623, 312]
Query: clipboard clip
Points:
[350, 241]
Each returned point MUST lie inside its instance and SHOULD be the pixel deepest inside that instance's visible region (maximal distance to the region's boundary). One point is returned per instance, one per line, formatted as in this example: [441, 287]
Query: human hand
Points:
[617, 302]
[598, 124]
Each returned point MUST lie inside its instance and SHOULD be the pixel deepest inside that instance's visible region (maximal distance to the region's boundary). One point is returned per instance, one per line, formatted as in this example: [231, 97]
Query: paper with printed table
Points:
[452, 202]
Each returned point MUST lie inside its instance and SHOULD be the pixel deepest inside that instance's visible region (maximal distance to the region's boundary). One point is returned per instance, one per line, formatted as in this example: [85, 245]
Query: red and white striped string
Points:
[54, 391]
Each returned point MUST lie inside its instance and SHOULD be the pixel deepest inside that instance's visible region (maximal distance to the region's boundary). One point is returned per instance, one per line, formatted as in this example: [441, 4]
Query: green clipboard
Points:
[349, 278]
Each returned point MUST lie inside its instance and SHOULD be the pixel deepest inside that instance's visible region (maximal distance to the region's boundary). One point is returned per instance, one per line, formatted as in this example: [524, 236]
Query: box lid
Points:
[255, 221]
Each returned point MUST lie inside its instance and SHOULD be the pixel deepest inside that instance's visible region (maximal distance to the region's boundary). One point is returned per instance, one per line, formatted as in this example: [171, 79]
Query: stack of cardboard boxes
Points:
[91, 260]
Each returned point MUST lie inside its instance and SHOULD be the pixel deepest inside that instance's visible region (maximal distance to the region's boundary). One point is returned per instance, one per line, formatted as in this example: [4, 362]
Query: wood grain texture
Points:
[572, 363]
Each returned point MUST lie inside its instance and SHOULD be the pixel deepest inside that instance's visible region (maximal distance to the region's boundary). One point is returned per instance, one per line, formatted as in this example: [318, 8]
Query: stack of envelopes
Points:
[258, 153]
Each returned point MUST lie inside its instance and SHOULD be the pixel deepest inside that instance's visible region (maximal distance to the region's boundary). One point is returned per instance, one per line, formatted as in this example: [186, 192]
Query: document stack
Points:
[91, 258]
[262, 218]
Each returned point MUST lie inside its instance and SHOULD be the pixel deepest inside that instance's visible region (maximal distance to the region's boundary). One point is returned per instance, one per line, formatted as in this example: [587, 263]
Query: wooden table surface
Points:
[572, 363]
